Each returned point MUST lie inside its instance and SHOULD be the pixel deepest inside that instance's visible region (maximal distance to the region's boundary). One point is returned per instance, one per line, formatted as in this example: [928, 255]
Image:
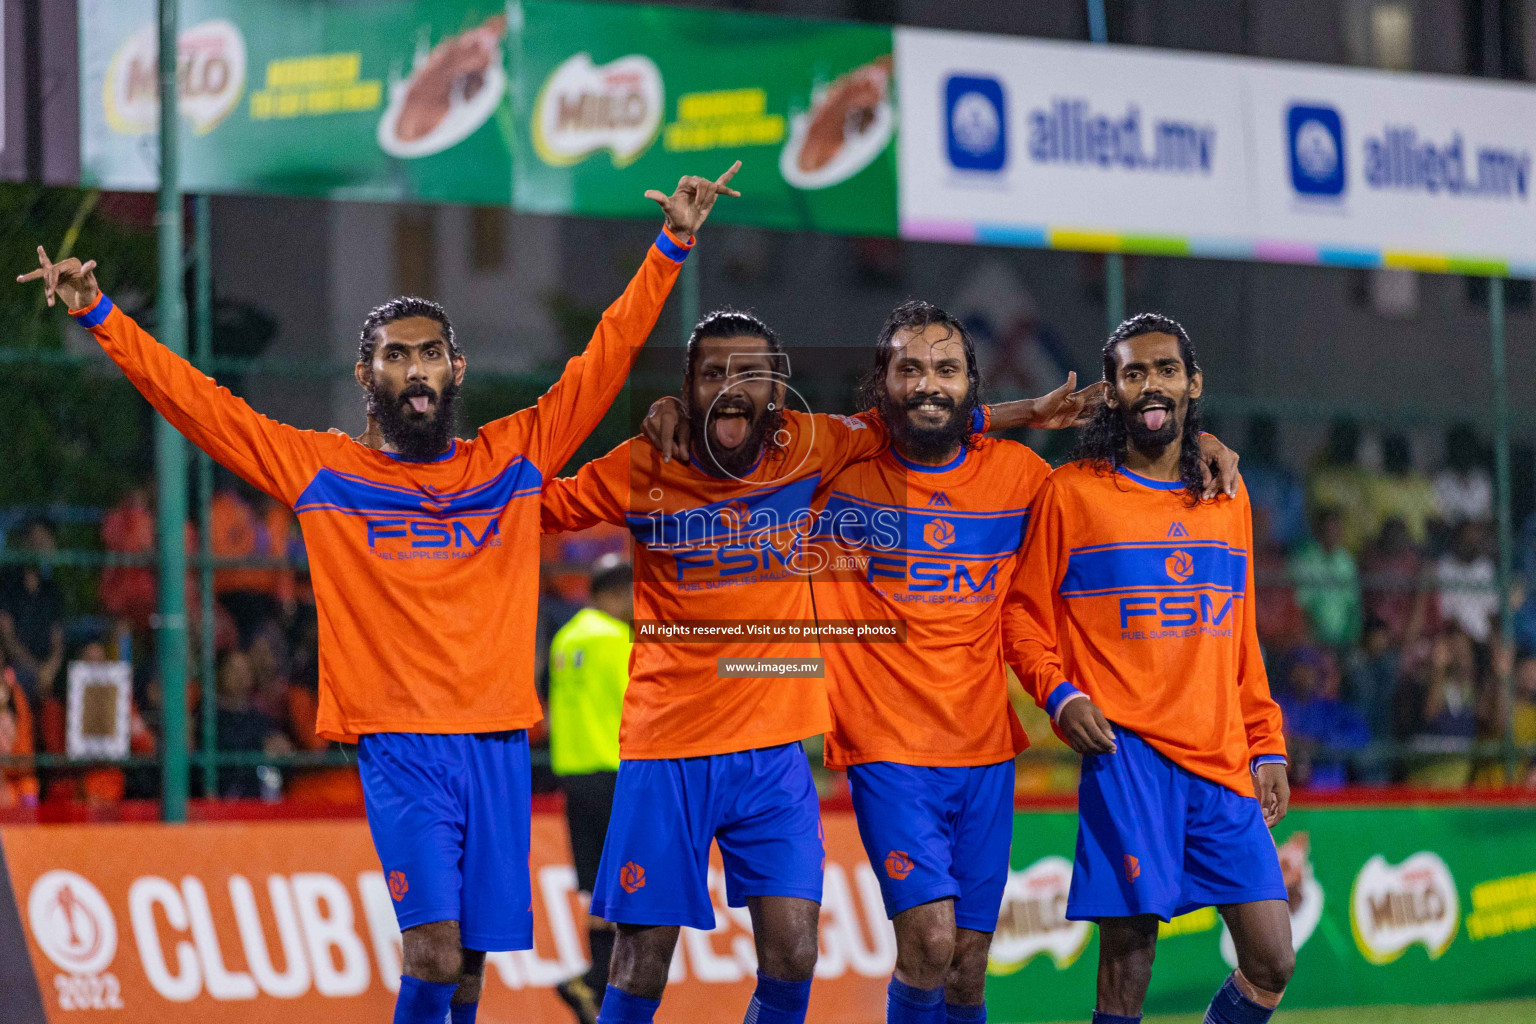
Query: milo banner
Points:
[1402, 905]
[553, 107]
[613, 96]
[389, 100]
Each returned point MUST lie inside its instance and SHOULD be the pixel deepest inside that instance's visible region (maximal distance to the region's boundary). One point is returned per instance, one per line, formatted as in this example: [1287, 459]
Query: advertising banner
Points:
[615, 99]
[401, 99]
[441, 99]
[295, 922]
[1114, 148]
[1401, 905]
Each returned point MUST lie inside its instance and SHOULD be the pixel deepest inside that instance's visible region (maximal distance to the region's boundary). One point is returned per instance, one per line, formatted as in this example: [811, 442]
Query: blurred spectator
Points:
[1277, 617]
[1448, 717]
[268, 654]
[94, 785]
[333, 785]
[1467, 580]
[130, 593]
[1318, 724]
[1338, 482]
[1523, 721]
[1328, 582]
[1373, 680]
[32, 615]
[236, 533]
[129, 529]
[18, 783]
[1393, 572]
[1464, 488]
[1400, 492]
[241, 727]
[1272, 487]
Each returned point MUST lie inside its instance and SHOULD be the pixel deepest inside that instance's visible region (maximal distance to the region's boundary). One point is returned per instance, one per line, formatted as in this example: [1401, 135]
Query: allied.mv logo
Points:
[631, 877]
[898, 865]
[939, 534]
[1317, 150]
[1179, 566]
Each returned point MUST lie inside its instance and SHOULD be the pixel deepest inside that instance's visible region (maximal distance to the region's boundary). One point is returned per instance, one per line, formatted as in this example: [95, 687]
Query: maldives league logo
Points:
[1317, 150]
[73, 925]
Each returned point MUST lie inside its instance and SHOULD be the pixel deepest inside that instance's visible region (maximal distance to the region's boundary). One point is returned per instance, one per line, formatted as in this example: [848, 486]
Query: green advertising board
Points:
[613, 99]
[1392, 905]
[380, 101]
[553, 107]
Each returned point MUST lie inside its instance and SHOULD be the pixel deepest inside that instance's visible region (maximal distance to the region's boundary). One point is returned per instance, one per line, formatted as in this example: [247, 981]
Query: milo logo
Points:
[1394, 906]
[1033, 919]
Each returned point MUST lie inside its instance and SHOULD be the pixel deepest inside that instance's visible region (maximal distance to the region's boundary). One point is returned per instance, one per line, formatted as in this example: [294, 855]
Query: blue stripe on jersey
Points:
[856, 523]
[331, 491]
[1120, 568]
[761, 512]
[96, 316]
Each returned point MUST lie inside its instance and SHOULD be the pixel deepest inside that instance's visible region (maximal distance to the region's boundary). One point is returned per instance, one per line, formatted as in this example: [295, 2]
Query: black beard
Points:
[1151, 442]
[415, 438]
[927, 444]
[736, 462]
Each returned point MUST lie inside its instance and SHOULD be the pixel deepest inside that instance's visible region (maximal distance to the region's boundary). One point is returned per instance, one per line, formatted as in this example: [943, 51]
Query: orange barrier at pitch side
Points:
[235, 922]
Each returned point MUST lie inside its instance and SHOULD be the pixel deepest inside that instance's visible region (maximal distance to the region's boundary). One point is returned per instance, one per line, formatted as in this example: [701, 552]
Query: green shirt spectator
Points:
[1328, 583]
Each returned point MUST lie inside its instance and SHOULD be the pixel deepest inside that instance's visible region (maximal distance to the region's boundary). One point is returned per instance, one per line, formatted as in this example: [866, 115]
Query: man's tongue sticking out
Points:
[421, 403]
[1154, 417]
[731, 427]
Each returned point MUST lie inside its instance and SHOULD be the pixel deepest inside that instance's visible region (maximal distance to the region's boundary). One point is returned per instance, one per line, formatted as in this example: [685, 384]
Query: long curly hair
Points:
[1104, 441]
[915, 314]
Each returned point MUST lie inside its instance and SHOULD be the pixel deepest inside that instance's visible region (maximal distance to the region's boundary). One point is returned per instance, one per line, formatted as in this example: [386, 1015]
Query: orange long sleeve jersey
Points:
[425, 573]
[730, 551]
[1145, 604]
[937, 547]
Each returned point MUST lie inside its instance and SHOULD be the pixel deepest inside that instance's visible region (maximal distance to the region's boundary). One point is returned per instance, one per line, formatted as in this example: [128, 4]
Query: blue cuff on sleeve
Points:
[1058, 697]
[671, 249]
[979, 420]
[1253, 766]
[96, 314]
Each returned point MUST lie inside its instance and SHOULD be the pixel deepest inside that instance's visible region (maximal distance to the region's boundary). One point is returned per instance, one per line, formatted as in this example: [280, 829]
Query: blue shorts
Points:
[759, 805]
[1154, 838]
[450, 820]
[937, 833]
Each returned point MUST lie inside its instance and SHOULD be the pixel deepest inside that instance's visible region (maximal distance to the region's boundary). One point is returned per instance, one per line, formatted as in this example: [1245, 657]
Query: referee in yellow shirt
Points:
[588, 672]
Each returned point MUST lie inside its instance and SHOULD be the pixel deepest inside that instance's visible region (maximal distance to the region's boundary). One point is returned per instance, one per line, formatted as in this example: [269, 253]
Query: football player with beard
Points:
[712, 723]
[928, 533]
[1131, 622]
[424, 555]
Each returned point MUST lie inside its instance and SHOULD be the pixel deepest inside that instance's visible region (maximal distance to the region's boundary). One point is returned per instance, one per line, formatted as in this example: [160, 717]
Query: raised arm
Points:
[569, 411]
[279, 459]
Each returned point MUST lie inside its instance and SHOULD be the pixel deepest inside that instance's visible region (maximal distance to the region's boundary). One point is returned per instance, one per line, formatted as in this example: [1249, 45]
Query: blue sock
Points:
[959, 1014]
[422, 1002]
[1232, 1007]
[778, 1002]
[463, 1013]
[907, 1005]
[1100, 1017]
[619, 1007]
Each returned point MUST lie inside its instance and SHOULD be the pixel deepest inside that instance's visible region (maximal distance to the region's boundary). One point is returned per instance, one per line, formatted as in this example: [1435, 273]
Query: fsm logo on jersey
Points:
[1317, 150]
[977, 119]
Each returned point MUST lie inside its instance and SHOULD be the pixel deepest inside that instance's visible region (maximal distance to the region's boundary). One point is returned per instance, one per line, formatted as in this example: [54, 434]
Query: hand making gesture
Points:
[69, 280]
[689, 206]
